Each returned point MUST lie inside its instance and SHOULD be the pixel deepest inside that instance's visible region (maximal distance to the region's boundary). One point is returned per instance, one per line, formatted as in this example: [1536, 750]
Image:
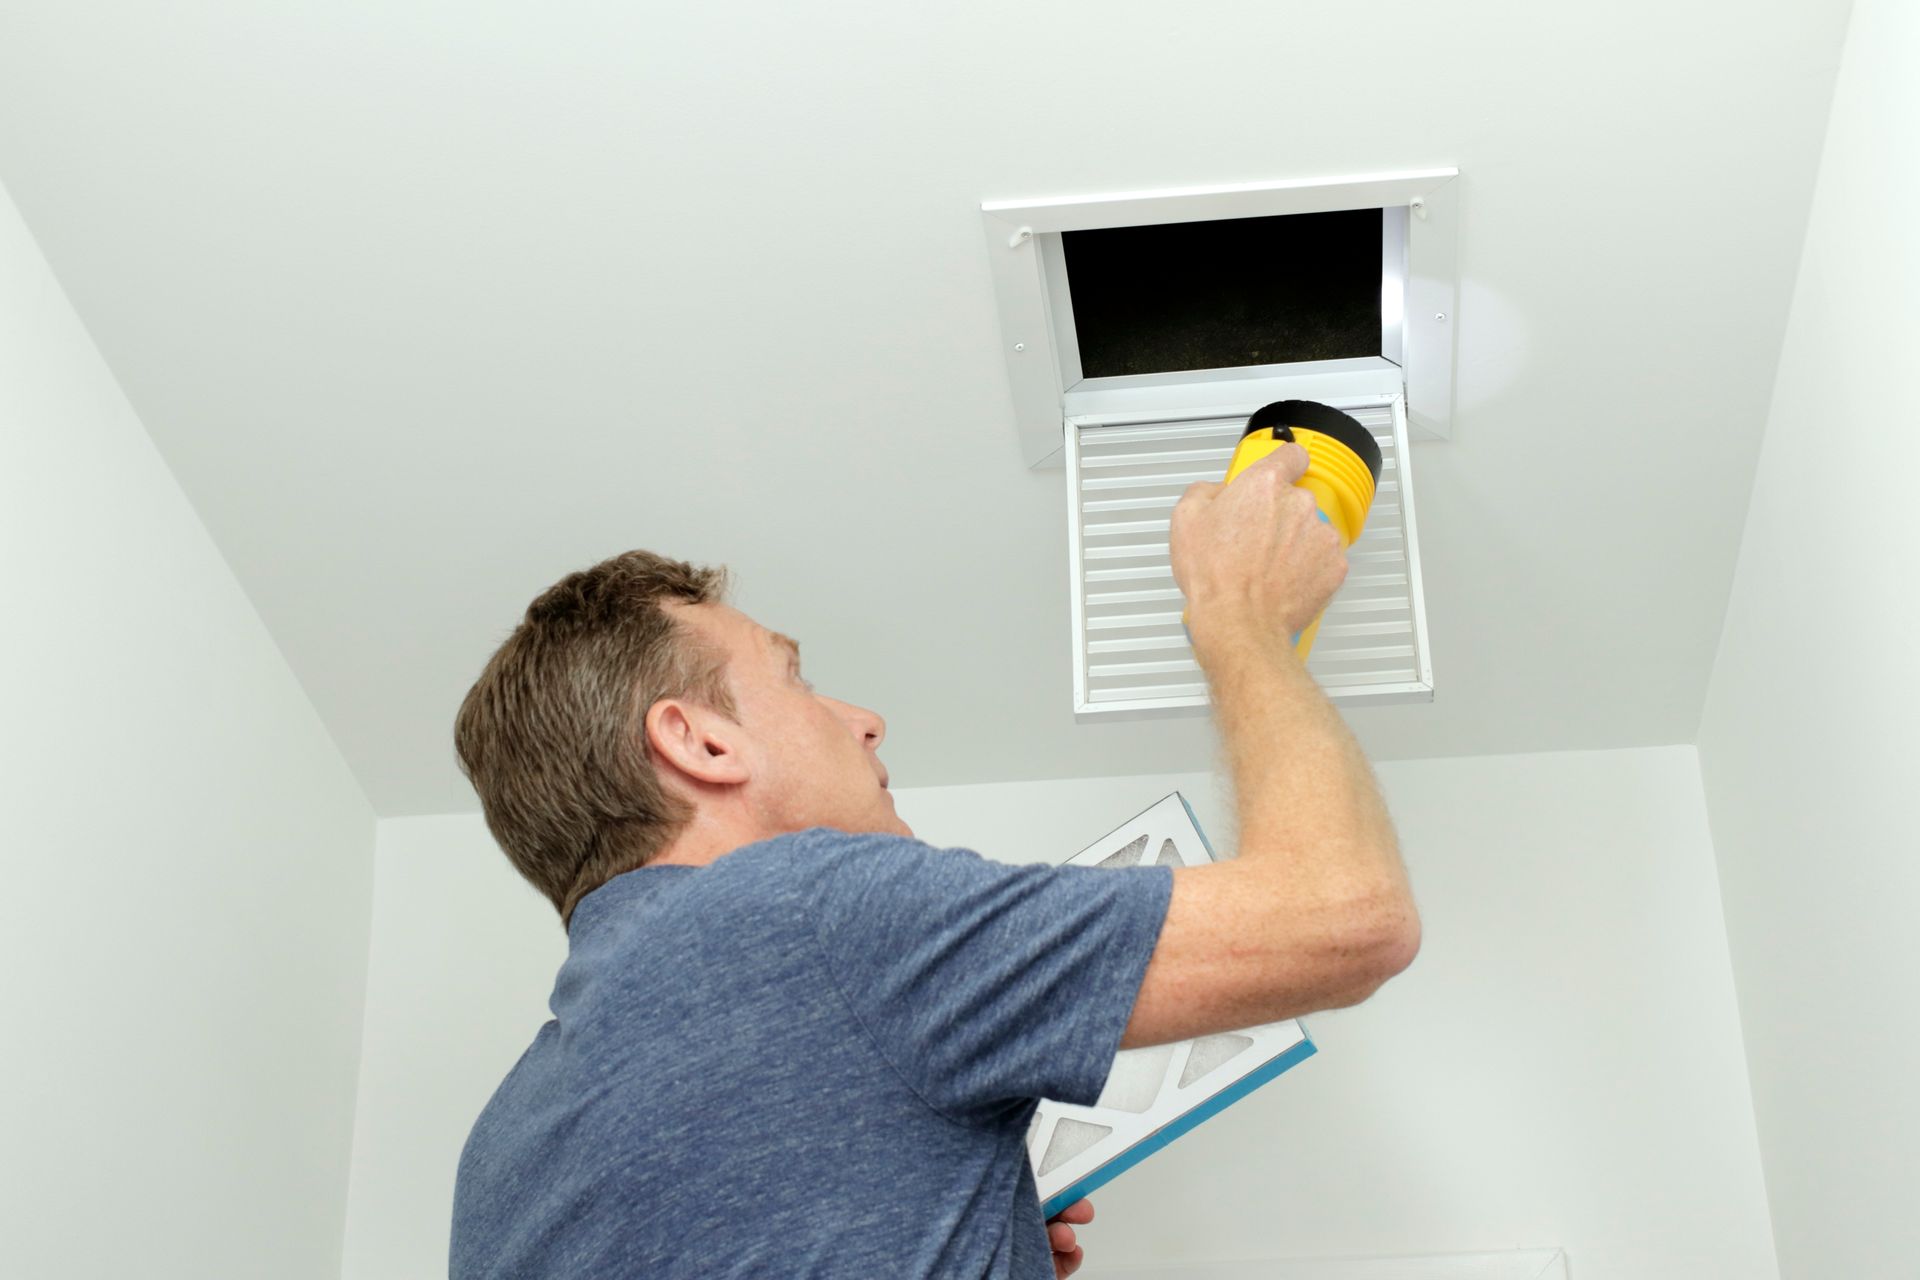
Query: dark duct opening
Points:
[1226, 293]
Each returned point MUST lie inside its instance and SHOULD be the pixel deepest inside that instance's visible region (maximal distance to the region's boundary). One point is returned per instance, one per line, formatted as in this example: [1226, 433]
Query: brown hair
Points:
[551, 735]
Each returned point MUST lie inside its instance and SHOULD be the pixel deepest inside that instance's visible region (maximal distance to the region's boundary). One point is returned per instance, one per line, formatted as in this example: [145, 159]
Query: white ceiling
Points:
[427, 305]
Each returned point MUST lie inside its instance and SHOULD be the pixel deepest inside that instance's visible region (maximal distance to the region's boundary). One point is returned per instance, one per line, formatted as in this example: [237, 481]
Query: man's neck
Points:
[710, 836]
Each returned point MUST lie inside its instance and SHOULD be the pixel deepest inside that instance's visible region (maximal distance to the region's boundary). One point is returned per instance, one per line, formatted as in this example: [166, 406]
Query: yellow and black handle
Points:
[1343, 469]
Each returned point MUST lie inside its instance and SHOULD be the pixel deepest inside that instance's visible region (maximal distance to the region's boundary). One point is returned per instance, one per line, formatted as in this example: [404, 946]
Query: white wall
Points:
[1810, 744]
[184, 926]
[1562, 1065]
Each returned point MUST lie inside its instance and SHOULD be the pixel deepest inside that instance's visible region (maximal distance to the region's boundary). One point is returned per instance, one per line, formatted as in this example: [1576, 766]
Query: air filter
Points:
[1155, 1094]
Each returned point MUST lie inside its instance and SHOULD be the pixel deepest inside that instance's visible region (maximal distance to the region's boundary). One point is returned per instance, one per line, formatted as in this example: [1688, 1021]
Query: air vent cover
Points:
[1131, 655]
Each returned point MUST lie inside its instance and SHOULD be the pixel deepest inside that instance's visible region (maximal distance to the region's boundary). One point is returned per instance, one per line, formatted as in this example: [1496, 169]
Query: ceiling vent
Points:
[1141, 331]
[1131, 654]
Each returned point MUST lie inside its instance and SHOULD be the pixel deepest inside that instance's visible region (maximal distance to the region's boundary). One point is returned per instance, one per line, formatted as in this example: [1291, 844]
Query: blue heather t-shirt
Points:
[816, 1056]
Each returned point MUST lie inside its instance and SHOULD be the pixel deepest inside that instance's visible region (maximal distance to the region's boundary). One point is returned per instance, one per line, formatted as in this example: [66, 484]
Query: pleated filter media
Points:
[1155, 1094]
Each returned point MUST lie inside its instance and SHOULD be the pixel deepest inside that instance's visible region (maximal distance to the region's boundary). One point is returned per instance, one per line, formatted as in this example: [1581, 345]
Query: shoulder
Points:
[825, 858]
[863, 880]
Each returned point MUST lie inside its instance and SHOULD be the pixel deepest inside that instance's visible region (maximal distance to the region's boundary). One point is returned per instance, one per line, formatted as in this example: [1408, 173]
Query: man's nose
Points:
[867, 725]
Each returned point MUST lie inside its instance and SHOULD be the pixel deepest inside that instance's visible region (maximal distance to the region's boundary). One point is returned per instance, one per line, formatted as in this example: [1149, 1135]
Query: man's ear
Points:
[697, 741]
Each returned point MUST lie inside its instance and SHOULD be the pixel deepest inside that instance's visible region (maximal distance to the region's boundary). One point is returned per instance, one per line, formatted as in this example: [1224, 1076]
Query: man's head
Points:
[635, 717]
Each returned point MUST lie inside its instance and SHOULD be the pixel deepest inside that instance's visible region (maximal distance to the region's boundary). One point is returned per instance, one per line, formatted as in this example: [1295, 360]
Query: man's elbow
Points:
[1400, 940]
[1386, 943]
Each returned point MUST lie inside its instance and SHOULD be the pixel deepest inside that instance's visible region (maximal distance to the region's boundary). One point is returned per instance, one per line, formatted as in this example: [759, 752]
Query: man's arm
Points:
[1315, 912]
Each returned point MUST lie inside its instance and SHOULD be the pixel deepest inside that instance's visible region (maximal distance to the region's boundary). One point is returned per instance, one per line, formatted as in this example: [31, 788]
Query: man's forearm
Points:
[1304, 791]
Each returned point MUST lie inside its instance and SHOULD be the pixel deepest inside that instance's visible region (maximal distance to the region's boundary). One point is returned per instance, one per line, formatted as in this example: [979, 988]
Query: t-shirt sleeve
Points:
[986, 984]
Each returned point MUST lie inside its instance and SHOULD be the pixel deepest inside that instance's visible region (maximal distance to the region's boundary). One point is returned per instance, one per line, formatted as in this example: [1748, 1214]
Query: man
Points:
[792, 1040]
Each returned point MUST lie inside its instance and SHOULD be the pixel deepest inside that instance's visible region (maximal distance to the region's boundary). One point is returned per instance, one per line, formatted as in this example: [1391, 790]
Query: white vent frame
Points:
[1026, 255]
[1349, 658]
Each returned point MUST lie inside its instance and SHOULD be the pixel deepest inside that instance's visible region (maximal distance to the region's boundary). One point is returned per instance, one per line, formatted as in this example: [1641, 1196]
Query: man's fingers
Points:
[1202, 491]
[1067, 1255]
[1290, 460]
[1078, 1211]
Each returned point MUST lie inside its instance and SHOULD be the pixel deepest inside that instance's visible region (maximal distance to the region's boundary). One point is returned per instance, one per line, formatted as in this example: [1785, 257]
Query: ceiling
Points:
[427, 305]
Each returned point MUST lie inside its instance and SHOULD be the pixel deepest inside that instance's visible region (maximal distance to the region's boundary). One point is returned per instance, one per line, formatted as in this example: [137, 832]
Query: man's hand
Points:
[1067, 1256]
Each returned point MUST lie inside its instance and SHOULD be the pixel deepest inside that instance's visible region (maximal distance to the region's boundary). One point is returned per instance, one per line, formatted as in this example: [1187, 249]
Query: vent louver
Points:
[1131, 655]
